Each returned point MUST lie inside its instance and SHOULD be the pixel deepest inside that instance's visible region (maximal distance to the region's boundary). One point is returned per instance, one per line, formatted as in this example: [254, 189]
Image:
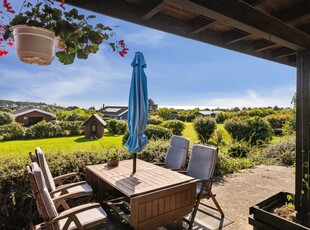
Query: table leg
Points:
[179, 224]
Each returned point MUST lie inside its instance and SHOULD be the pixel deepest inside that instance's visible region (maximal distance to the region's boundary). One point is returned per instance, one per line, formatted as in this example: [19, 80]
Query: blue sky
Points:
[181, 73]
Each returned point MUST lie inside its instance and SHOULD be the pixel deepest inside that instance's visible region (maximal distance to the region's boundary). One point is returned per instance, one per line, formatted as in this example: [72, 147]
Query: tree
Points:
[164, 113]
[6, 118]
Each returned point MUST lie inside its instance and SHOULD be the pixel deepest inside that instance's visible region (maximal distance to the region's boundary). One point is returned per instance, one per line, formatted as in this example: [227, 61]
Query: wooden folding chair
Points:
[201, 166]
[87, 216]
[55, 185]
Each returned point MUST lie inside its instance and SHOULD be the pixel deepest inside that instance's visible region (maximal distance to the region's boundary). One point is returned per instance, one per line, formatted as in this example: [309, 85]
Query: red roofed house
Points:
[31, 116]
[94, 127]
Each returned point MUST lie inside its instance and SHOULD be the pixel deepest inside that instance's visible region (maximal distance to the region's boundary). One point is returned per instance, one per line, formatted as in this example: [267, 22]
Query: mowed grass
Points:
[79, 143]
[59, 144]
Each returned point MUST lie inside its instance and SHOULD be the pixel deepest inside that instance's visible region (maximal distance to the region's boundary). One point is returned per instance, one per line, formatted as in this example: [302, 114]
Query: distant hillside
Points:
[15, 105]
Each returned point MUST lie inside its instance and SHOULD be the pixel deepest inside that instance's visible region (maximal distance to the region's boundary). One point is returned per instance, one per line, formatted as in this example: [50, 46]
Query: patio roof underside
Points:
[271, 29]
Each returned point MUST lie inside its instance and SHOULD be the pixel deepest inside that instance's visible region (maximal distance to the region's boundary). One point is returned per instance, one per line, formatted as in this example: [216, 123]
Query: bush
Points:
[239, 149]
[218, 136]
[223, 116]
[254, 130]
[45, 129]
[277, 120]
[154, 121]
[6, 118]
[153, 132]
[12, 131]
[71, 127]
[176, 127]
[281, 152]
[290, 125]
[111, 126]
[121, 127]
[204, 127]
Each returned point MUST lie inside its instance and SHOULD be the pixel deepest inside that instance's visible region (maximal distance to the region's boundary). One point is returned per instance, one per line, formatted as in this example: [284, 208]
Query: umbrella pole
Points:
[134, 163]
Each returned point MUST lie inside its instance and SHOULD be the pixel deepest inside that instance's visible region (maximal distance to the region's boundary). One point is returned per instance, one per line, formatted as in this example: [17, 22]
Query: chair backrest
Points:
[44, 201]
[49, 181]
[202, 162]
[177, 152]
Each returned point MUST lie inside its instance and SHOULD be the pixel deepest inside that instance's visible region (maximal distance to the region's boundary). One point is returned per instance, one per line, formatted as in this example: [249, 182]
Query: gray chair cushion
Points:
[49, 181]
[46, 198]
[202, 162]
[79, 188]
[88, 218]
[177, 152]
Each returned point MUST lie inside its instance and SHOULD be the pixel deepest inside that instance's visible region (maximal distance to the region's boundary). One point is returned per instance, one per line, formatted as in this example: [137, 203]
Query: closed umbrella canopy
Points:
[137, 107]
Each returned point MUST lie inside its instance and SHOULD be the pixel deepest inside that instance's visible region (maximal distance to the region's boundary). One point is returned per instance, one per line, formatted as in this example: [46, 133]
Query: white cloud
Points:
[147, 37]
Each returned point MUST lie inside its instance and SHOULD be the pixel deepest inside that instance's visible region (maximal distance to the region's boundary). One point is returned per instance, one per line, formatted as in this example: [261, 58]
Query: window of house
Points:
[93, 128]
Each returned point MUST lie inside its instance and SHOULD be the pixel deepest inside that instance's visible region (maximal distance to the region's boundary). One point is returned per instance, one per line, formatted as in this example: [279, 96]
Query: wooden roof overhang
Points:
[276, 30]
[271, 29]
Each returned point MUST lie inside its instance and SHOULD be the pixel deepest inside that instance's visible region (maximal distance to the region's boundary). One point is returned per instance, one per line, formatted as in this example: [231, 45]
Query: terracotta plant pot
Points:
[113, 163]
[35, 45]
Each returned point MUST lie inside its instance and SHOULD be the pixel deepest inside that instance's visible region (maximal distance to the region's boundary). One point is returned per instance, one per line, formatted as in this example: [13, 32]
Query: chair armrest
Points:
[73, 211]
[58, 179]
[66, 187]
[68, 196]
[159, 163]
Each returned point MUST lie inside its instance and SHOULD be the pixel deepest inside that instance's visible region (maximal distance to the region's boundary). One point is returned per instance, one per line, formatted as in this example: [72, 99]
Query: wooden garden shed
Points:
[94, 127]
[276, 30]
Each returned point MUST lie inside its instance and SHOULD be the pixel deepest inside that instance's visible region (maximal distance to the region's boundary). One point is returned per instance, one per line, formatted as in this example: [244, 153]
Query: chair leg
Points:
[215, 202]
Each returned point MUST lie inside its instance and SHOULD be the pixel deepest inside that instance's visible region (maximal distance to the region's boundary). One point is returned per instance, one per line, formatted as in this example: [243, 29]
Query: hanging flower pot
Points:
[35, 45]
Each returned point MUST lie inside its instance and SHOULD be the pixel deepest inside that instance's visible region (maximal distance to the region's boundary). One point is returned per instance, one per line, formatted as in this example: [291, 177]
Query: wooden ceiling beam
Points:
[254, 2]
[234, 36]
[246, 18]
[201, 24]
[262, 45]
[291, 13]
[129, 12]
[282, 52]
[149, 9]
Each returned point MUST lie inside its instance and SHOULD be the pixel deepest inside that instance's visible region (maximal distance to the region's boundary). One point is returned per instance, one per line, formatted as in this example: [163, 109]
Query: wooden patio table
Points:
[158, 196]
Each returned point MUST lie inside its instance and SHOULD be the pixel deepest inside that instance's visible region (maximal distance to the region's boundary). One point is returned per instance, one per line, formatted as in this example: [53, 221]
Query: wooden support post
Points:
[302, 191]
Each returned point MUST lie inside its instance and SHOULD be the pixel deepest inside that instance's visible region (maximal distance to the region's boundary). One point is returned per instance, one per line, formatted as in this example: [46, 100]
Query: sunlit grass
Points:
[59, 144]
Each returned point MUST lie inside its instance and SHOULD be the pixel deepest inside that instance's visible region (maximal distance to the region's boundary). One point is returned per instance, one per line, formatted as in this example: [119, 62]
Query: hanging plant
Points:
[75, 37]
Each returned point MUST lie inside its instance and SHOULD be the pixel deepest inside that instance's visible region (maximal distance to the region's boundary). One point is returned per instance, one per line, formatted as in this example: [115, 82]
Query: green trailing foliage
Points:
[176, 127]
[238, 149]
[204, 127]
[255, 130]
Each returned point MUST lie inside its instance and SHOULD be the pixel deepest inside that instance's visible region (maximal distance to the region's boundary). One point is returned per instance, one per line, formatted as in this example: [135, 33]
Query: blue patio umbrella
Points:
[137, 108]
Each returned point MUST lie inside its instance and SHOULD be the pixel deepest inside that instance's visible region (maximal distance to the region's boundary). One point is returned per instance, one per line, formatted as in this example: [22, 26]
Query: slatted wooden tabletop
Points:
[148, 177]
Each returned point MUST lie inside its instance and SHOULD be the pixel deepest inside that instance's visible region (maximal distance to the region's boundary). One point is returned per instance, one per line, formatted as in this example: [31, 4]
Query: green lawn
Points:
[190, 133]
[63, 144]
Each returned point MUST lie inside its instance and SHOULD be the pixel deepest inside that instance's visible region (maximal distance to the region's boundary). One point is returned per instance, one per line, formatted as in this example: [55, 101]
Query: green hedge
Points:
[204, 127]
[176, 127]
[255, 130]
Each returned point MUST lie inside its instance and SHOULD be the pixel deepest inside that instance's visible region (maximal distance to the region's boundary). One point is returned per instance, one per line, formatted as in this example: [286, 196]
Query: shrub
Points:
[250, 129]
[71, 127]
[176, 127]
[6, 118]
[281, 152]
[239, 149]
[154, 121]
[277, 120]
[290, 125]
[45, 129]
[155, 151]
[121, 127]
[12, 131]
[157, 132]
[111, 126]
[218, 136]
[204, 127]
[153, 132]
[223, 116]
